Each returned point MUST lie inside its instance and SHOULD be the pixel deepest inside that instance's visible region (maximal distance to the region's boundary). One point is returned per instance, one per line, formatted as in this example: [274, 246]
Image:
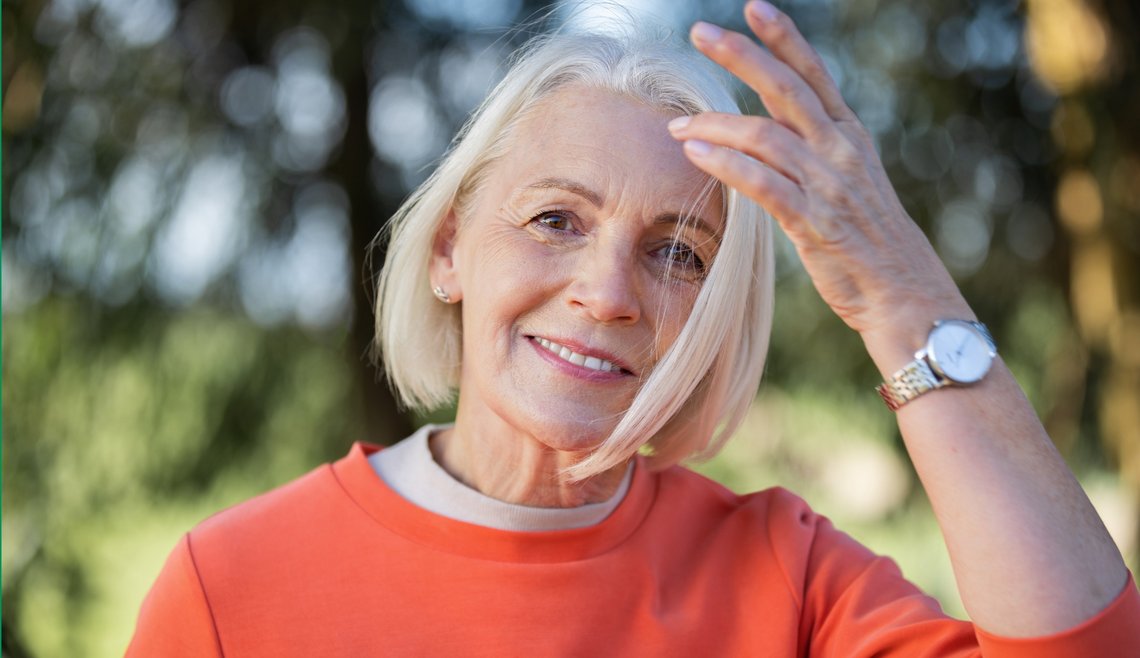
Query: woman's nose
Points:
[604, 287]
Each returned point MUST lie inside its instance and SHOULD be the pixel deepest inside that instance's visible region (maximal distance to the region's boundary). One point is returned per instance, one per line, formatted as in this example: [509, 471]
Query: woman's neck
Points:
[513, 467]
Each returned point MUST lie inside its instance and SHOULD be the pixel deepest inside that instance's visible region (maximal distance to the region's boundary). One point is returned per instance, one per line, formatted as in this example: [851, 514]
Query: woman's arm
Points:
[1030, 554]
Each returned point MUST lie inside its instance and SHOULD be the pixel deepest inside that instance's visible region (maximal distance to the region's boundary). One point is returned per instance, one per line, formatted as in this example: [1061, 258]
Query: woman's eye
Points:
[554, 221]
[679, 253]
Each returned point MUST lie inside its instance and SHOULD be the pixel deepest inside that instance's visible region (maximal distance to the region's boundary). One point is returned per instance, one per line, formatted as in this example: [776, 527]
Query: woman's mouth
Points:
[576, 358]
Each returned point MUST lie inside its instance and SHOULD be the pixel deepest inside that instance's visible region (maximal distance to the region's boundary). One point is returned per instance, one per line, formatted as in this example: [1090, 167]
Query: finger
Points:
[787, 96]
[764, 185]
[784, 40]
[764, 139]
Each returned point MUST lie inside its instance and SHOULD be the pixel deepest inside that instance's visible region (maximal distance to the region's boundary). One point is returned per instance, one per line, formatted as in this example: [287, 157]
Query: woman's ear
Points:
[444, 266]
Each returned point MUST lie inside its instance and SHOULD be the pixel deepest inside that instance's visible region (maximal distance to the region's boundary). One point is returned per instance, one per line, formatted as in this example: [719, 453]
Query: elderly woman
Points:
[591, 268]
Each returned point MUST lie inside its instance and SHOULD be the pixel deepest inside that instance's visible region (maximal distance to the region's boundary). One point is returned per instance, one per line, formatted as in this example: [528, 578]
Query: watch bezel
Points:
[973, 330]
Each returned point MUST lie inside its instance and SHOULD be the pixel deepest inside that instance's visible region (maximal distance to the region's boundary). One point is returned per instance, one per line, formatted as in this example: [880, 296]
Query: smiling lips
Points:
[569, 355]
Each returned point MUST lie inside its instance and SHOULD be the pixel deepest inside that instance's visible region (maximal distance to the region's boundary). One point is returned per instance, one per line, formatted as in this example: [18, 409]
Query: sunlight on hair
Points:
[621, 19]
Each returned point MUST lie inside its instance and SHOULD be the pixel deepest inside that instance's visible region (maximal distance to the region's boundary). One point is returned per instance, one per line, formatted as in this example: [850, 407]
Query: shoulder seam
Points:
[798, 597]
[205, 596]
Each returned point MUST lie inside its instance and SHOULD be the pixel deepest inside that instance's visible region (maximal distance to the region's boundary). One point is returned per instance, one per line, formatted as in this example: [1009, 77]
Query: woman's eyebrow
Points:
[570, 186]
[694, 221]
[598, 201]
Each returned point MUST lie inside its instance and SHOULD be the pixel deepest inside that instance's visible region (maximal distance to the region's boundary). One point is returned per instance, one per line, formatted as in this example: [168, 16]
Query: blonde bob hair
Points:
[698, 393]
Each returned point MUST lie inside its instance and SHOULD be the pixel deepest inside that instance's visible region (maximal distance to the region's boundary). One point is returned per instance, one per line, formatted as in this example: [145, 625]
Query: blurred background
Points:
[190, 190]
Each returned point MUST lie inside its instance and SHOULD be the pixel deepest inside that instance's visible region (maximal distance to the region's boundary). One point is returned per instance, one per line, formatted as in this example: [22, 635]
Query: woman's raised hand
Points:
[813, 166]
[1016, 522]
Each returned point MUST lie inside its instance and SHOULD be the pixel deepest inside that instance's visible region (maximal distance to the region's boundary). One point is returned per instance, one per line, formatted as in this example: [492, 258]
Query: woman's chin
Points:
[556, 418]
[569, 432]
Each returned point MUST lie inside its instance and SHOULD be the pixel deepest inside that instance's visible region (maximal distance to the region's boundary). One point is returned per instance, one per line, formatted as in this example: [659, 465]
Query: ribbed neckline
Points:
[409, 469]
[388, 508]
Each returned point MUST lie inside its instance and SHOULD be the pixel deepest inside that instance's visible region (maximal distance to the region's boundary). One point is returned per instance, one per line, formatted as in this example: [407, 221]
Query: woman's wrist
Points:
[892, 343]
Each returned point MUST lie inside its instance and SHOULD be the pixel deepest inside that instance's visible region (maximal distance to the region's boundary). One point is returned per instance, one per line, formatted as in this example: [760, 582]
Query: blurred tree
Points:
[1087, 54]
[190, 191]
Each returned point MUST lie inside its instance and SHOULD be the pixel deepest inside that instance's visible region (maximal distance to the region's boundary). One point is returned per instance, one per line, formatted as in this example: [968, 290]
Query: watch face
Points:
[958, 351]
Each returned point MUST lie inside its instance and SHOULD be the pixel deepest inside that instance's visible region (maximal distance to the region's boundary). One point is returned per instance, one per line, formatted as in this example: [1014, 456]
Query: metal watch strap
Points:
[917, 377]
[914, 379]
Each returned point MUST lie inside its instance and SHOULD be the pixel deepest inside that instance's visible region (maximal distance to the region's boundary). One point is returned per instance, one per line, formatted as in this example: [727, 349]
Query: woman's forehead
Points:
[587, 121]
[612, 147]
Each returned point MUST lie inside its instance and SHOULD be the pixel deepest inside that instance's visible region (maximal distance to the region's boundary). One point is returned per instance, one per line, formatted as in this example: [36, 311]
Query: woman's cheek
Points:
[672, 302]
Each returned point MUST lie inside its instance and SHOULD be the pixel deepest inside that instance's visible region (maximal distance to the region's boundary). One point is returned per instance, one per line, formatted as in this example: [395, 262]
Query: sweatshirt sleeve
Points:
[175, 619]
[1114, 631]
[856, 603]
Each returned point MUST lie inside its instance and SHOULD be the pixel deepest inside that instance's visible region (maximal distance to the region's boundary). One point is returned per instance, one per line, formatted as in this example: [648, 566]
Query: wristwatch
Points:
[957, 353]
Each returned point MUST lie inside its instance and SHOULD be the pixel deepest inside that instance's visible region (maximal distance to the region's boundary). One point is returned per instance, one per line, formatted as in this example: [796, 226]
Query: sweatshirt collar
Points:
[386, 507]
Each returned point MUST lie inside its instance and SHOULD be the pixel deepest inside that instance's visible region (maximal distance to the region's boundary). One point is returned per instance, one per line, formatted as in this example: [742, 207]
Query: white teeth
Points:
[567, 354]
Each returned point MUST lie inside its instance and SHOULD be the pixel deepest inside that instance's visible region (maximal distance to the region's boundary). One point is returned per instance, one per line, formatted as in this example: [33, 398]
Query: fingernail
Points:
[706, 32]
[762, 11]
[678, 124]
[698, 148]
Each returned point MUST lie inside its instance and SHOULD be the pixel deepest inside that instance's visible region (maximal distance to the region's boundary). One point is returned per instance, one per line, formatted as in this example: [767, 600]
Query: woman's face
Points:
[572, 280]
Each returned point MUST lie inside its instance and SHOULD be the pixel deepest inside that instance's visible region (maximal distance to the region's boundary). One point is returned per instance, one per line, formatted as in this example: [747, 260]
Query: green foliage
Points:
[118, 440]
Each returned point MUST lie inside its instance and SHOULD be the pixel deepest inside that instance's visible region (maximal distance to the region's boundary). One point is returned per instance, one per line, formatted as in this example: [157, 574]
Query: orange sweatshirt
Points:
[338, 564]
